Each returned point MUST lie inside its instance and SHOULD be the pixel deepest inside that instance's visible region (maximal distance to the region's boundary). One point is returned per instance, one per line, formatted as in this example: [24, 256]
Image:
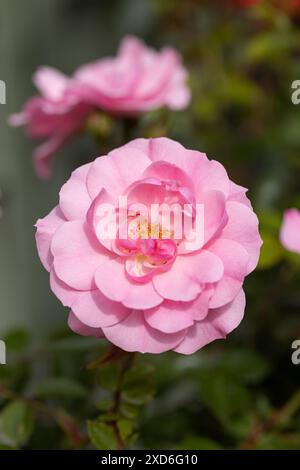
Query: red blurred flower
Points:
[290, 6]
[244, 3]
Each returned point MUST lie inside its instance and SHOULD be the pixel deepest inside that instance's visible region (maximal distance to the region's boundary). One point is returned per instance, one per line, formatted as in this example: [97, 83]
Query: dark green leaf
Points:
[16, 423]
[102, 435]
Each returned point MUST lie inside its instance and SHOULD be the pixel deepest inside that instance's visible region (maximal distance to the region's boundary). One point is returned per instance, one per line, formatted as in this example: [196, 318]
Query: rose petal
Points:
[76, 255]
[46, 228]
[216, 325]
[235, 260]
[238, 194]
[290, 230]
[111, 279]
[183, 282]
[50, 82]
[134, 334]
[82, 329]
[116, 171]
[74, 199]
[63, 292]
[170, 317]
[95, 310]
[242, 226]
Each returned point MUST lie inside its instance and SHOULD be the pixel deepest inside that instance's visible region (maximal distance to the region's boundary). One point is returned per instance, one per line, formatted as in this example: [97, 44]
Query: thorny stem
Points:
[126, 359]
[127, 363]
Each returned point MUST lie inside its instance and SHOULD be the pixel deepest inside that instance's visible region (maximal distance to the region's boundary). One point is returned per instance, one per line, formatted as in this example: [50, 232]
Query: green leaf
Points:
[16, 423]
[137, 387]
[60, 387]
[273, 441]
[129, 410]
[127, 431]
[108, 376]
[102, 435]
[105, 404]
[225, 398]
[270, 46]
[244, 366]
[126, 428]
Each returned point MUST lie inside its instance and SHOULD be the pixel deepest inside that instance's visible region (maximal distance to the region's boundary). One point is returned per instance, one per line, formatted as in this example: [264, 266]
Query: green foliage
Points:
[130, 387]
[59, 387]
[16, 424]
[102, 435]
[240, 393]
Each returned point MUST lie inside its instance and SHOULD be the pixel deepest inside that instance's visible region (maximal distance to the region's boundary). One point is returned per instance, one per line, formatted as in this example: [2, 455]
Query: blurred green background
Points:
[240, 393]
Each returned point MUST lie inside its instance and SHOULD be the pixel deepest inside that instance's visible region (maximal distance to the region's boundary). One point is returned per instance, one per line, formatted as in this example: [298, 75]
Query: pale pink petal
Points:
[242, 226]
[131, 46]
[290, 230]
[154, 88]
[126, 85]
[76, 255]
[207, 175]
[180, 100]
[102, 218]
[134, 334]
[170, 317]
[179, 95]
[216, 325]
[116, 171]
[211, 176]
[199, 308]
[18, 119]
[74, 199]
[50, 82]
[238, 193]
[183, 282]
[46, 228]
[228, 317]
[168, 172]
[90, 307]
[168, 150]
[211, 217]
[164, 149]
[235, 260]
[95, 310]
[82, 329]
[63, 292]
[113, 282]
[215, 216]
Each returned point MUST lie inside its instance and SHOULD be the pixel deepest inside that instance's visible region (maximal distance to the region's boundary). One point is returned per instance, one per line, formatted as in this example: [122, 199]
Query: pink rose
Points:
[145, 293]
[53, 117]
[138, 79]
[290, 230]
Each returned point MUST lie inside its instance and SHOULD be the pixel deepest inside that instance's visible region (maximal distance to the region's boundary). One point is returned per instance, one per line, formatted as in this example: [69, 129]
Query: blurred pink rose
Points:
[53, 117]
[290, 230]
[138, 79]
[145, 293]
